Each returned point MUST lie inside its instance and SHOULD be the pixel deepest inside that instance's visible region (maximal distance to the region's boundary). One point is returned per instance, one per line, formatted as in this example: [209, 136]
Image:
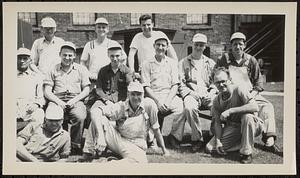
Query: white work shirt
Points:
[95, 55]
[45, 53]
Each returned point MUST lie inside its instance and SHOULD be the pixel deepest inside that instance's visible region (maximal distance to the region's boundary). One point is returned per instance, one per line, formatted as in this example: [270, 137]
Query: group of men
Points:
[131, 110]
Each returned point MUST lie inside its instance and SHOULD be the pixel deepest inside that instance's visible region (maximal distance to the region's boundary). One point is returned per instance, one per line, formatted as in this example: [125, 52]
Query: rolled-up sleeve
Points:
[49, 80]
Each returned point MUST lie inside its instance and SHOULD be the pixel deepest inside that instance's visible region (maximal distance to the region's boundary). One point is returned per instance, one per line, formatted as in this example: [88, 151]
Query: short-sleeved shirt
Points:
[46, 149]
[122, 110]
[251, 65]
[160, 76]
[96, 55]
[113, 86]
[144, 46]
[239, 97]
[45, 53]
[197, 72]
[67, 85]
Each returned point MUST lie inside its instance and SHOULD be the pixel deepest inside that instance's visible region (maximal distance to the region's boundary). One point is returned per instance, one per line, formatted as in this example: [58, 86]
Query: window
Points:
[197, 18]
[134, 18]
[29, 17]
[251, 18]
[83, 18]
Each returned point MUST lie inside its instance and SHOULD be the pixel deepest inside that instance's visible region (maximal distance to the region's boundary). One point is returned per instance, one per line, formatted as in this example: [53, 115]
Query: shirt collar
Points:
[128, 107]
[165, 60]
[232, 59]
[192, 60]
[52, 41]
[26, 72]
[73, 67]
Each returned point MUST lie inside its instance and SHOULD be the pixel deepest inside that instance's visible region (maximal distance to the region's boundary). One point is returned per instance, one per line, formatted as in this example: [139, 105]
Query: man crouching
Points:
[236, 109]
[133, 119]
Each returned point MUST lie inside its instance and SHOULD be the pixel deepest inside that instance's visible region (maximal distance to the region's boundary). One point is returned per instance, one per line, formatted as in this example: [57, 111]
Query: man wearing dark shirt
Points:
[113, 79]
[247, 63]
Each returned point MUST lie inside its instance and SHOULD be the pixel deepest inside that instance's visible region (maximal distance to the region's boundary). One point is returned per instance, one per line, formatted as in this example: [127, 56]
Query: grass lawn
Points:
[184, 155]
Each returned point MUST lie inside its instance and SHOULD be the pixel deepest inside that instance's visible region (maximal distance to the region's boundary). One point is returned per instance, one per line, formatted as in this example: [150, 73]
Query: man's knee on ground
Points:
[95, 113]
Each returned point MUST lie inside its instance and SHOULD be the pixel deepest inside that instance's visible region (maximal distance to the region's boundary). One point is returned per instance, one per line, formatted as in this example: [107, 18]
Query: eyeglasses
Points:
[220, 82]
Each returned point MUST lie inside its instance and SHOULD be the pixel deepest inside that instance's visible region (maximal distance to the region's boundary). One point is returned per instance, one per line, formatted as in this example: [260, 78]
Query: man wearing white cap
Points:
[30, 97]
[113, 78]
[66, 85]
[45, 142]
[45, 50]
[248, 66]
[94, 55]
[196, 88]
[160, 79]
[134, 117]
[142, 44]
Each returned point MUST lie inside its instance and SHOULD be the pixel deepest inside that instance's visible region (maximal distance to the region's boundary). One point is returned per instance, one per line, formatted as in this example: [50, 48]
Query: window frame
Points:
[34, 21]
[91, 24]
[195, 23]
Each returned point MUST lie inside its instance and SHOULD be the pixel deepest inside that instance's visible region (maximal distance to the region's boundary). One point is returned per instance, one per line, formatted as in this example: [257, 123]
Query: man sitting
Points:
[44, 142]
[30, 99]
[134, 117]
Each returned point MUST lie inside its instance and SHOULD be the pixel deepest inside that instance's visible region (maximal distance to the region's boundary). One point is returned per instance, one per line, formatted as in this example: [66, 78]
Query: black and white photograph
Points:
[149, 88]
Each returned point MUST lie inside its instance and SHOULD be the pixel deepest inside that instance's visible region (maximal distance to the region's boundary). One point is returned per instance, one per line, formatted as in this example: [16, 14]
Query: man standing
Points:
[160, 79]
[45, 142]
[134, 117]
[94, 55]
[249, 66]
[45, 50]
[113, 78]
[142, 43]
[236, 108]
[66, 85]
[30, 97]
[196, 87]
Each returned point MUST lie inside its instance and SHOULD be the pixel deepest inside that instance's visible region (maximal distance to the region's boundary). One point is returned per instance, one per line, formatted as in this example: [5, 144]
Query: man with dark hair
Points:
[66, 85]
[45, 142]
[236, 108]
[142, 44]
[238, 60]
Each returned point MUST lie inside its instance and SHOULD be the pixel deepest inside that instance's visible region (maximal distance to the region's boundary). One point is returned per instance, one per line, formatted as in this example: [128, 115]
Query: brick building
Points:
[260, 30]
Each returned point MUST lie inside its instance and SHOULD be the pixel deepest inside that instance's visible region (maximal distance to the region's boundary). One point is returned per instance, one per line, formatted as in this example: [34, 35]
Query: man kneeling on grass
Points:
[236, 109]
[133, 119]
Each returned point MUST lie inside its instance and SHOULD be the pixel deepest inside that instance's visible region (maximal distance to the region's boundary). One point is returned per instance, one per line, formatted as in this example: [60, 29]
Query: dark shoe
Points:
[246, 159]
[86, 157]
[197, 146]
[174, 143]
[220, 150]
[273, 149]
[76, 151]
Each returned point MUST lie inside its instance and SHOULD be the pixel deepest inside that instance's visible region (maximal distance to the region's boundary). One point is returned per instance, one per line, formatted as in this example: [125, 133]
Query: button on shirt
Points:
[113, 85]
[197, 72]
[45, 53]
[46, 149]
[96, 55]
[29, 92]
[67, 85]
[160, 76]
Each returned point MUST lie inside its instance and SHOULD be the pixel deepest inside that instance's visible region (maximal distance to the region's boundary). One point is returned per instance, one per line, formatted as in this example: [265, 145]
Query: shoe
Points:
[174, 143]
[76, 151]
[273, 149]
[86, 157]
[246, 159]
[220, 151]
[197, 146]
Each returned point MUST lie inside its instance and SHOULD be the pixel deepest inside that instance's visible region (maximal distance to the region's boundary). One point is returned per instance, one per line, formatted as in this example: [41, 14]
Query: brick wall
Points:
[218, 31]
